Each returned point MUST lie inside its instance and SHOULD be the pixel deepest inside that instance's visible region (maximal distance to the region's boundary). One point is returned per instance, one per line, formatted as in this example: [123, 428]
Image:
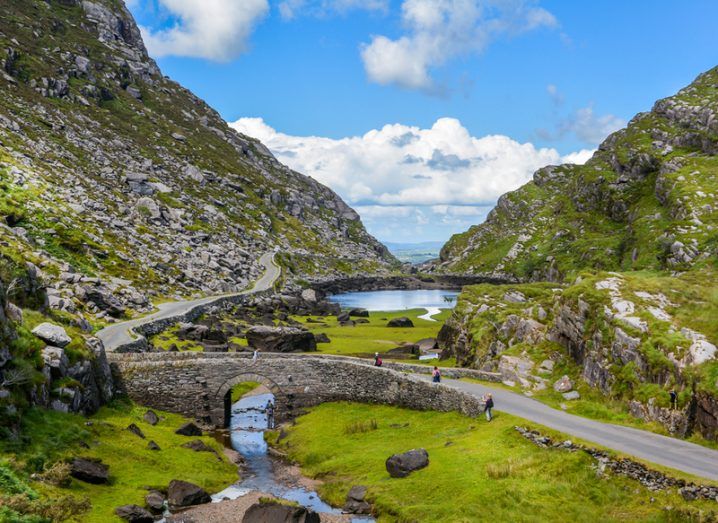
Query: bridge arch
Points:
[223, 396]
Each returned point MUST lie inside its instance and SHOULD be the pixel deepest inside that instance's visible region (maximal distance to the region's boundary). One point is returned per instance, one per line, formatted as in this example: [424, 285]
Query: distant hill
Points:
[415, 252]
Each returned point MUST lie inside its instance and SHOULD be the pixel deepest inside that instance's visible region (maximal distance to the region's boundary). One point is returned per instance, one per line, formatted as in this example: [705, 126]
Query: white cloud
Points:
[213, 29]
[590, 127]
[439, 30]
[399, 165]
[290, 9]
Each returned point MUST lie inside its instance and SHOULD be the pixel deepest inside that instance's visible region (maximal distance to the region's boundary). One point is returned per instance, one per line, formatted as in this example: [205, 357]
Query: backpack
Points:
[378, 362]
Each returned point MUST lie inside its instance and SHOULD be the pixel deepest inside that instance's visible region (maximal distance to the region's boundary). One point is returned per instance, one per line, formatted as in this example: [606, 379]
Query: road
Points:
[662, 450]
[119, 334]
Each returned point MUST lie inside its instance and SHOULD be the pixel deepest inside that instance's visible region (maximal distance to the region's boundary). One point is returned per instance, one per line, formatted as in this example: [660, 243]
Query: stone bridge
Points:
[199, 385]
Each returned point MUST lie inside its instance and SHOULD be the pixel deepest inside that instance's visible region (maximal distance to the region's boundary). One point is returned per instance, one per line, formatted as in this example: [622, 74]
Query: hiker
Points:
[674, 399]
[436, 375]
[488, 405]
[270, 415]
[255, 355]
[377, 360]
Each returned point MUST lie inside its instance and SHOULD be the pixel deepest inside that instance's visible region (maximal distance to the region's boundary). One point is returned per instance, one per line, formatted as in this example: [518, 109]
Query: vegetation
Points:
[239, 390]
[490, 471]
[48, 438]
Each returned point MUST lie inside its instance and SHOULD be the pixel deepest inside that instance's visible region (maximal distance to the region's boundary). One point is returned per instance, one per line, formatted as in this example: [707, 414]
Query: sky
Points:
[421, 113]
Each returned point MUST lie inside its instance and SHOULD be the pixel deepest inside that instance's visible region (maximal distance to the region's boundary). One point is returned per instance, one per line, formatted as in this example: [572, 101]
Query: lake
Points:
[397, 300]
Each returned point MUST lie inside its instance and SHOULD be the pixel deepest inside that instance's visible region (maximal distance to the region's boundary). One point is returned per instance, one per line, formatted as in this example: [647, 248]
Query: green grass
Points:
[165, 339]
[243, 388]
[364, 339]
[51, 436]
[477, 472]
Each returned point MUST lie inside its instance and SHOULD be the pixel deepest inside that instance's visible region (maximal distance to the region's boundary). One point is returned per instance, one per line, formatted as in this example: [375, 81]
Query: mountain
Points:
[120, 185]
[415, 252]
[645, 200]
[616, 268]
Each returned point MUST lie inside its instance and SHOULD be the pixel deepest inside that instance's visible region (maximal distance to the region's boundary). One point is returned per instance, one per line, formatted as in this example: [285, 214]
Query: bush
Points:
[57, 474]
[358, 427]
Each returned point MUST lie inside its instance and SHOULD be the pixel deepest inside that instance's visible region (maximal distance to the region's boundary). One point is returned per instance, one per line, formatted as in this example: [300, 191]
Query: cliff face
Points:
[646, 200]
[644, 208]
[120, 184]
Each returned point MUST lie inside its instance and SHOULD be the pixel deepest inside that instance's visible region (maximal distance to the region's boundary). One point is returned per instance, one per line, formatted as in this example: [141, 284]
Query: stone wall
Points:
[197, 384]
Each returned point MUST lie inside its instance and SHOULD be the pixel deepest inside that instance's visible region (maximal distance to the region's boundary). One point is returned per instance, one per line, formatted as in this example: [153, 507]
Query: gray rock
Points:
[356, 502]
[155, 500]
[279, 513]
[189, 429]
[89, 470]
[151, 418]
[153, 446]
[563, 384]
[573, 395]
[134, 514]
[401, 465]
[135, 430]
[52, 334]
[359, 313]
[401, 321]
[280, 339]
[184, 494]
[56, 361]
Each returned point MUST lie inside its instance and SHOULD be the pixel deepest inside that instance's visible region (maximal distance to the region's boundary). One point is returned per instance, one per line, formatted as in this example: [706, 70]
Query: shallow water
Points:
[397, 300]
[249, 420]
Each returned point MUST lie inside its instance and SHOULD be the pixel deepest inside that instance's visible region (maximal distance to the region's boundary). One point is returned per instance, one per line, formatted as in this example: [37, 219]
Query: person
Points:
[377, 360]
[270, 415]
[674, 399]
[436, 375]
[255, 355]
[488, 405]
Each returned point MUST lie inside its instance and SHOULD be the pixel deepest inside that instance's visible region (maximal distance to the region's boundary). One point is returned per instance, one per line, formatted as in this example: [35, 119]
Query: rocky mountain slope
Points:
[646, 200]
[644, 208]
[120, 184]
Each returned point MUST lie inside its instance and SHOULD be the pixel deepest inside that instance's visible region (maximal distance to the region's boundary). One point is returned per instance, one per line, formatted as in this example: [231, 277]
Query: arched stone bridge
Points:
[199, 385]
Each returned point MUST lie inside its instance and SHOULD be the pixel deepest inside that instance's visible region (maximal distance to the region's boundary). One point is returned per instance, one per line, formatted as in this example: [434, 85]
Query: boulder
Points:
[322, 338]
[563, 384]
[427, 345]
[401, 321]
[52, 334]
[135, 430]
[189, 429]
[280, 339]
[309, 295]
[155, 500]
[184, 494]
[359, 313]
[401, 465]
[134, 514]
[89, 470]
[356, 502]
[343, 317]
[151, 418]
[279, 513]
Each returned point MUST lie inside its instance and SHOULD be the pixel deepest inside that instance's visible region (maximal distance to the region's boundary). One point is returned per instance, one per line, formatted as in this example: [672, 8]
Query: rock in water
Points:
[189, 429]
[184, 494]
[134, 514]
[52, 334]
[402, 321]
[151, 418]
[356, 503]
[280, 339]
[278, 513]
[89, 471]
[401, 465]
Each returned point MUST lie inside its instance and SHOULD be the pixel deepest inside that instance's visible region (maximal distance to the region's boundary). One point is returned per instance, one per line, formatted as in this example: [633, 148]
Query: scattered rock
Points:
[153, 446]
[135, 430]
[52, 334]
[359, 313]
[281, 339]
[89, 470]
[155, 500]
[279, 513]
[563, 384]
[189, 429]
[184, 494]
[401, 465]
[573, 395]
[134, 514]
[356, 502]
[151, 418]
[322, 338]
[198, 446]
[401, 321]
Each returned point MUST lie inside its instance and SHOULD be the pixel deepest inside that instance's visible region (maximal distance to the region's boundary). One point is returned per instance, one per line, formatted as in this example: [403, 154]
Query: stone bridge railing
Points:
[199, 385]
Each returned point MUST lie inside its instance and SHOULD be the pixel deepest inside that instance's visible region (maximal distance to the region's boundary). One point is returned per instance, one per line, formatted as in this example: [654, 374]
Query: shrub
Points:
[357, 427]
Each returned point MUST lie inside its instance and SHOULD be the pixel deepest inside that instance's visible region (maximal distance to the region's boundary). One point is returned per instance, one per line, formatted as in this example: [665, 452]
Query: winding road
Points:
[120, 334]
[663, 450]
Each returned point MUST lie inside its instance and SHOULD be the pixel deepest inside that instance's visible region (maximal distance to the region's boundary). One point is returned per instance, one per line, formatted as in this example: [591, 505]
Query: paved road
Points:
[119, 334]
[662, 450]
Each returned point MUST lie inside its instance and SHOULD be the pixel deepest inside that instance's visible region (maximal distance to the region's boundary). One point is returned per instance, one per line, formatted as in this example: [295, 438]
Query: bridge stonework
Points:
[199, 385]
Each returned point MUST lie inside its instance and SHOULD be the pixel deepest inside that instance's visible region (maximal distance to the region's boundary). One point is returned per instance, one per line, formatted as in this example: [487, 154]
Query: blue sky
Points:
[420, 113]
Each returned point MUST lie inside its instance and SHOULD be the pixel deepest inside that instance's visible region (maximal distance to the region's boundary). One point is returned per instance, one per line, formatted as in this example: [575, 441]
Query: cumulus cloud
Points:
[213, 29]
[403, 165]
[439, 30]
[290, 9]
[590, 127]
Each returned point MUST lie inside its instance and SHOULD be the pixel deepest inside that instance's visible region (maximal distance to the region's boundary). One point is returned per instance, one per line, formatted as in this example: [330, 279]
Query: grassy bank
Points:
[478, 471]
[364, 339]
[50, 437]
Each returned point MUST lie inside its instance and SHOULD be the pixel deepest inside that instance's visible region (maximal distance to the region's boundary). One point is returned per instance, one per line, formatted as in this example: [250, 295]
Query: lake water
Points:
[397, 300]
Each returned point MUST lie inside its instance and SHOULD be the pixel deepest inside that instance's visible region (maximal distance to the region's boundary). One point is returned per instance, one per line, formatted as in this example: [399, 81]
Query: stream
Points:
[247, 426]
